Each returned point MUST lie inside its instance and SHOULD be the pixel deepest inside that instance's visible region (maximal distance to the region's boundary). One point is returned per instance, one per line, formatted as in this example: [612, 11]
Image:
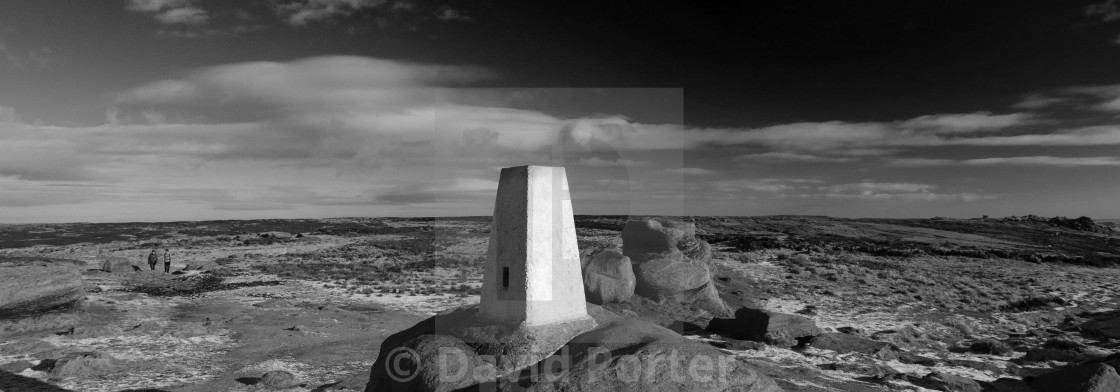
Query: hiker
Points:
[153, 258]
[166, 261]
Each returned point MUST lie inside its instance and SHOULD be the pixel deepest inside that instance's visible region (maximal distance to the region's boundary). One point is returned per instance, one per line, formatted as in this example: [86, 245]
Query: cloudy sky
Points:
[159, 110]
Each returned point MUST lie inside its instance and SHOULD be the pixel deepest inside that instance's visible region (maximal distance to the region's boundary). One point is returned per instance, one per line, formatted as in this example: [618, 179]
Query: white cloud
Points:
[809, 141]
[782, 156]
[1086, 136]
[1107, 11]
[185, 15]
[869, 187]
[736, 187]
[891, 191]
[356, 130]
[1044, 160]
[1037, 101]
[299, 13]
[920, 196]
[154, 5]
[170, 11]
[446, 13]
[1108, 96]
[8, 115]
[968, 122]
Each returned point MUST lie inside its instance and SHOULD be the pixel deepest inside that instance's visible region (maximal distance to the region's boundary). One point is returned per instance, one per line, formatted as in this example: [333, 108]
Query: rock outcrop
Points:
[843, 343]
[30, 285]
[511, 347]
[779, 329]
[119, 265]
[276, 235]
[83, 365]
[1086, 377]
[621, 354]
[946, 382]
[279, 379]
[608, 276]
[671, 264]
[207, 265]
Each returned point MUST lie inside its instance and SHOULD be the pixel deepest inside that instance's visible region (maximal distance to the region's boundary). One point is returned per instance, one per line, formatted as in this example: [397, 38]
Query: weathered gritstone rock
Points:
[31, 285]
[118, 265]
[279, 235]
[280, 379]
[946, 382]
[603, 359]
[664, 266]
[1088, 377]
[608, 276]
[755, 324]
[83, 365]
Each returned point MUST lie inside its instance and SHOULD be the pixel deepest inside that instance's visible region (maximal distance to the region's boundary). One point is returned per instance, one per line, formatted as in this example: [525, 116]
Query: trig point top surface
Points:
[532, 274]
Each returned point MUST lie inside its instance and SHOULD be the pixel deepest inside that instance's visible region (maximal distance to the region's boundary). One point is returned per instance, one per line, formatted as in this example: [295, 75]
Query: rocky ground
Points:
[307, 306]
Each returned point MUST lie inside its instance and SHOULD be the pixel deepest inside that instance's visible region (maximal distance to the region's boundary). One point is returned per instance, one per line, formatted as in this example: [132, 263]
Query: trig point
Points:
[532, 275]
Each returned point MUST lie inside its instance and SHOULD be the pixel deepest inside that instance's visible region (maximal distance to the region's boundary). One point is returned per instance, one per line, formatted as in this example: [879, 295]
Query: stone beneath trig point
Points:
[602, 359]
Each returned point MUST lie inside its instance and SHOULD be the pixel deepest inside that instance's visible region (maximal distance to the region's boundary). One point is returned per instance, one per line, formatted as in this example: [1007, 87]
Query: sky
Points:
[175, 110]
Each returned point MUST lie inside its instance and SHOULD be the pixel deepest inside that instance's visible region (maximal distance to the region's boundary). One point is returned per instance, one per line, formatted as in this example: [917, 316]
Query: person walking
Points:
[166, 261]
[153, 258]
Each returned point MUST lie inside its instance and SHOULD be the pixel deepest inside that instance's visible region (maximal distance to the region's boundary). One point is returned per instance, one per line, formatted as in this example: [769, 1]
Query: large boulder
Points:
[671, 264]
[30, 285]
[119, 264]
[1086, 377]
[608, 276]
[763, 325]
[619, 355]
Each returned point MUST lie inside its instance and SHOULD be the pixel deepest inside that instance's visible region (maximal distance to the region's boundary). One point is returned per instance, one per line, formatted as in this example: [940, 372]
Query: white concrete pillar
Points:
[532, 274]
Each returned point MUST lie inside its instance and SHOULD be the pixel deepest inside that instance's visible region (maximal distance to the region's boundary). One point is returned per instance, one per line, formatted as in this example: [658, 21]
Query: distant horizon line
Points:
[578, 215]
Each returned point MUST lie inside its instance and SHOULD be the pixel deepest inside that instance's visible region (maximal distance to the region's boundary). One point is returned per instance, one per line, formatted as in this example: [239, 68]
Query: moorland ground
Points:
[318, 304]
